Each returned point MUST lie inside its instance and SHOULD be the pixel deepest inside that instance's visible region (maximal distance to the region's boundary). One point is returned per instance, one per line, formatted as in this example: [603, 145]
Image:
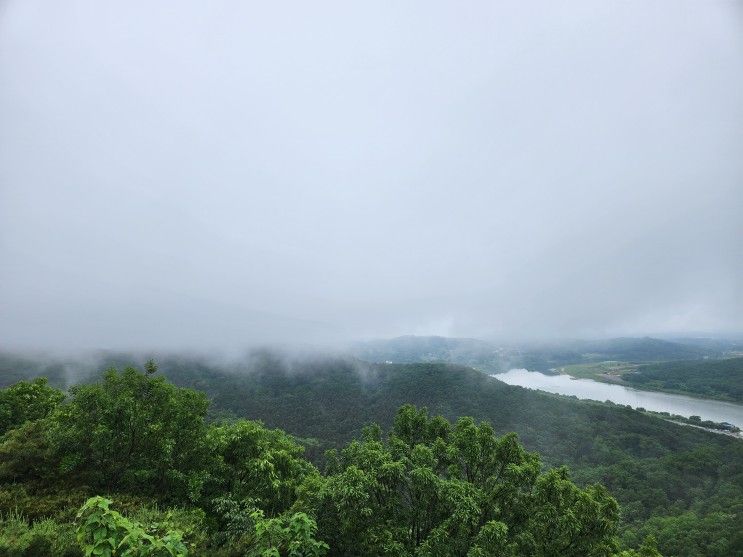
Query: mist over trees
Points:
[418, 483]
[430, 487]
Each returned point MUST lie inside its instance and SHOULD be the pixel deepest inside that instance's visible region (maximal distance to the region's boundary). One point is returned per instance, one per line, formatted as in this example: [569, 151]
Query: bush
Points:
[19, 538]
[27, 401]
[105, 532]
[60, 503]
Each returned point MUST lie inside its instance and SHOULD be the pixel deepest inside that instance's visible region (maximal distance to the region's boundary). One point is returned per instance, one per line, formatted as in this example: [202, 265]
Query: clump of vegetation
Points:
[103, 531]
[20, 537]
[27, 401]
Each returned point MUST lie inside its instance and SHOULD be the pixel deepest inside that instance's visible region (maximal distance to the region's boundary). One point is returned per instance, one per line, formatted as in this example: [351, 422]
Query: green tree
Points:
[245, 530]
[27, 401]
[256, 463]
[136, 432]
[25, 454]
[436, 489]
[292, 535]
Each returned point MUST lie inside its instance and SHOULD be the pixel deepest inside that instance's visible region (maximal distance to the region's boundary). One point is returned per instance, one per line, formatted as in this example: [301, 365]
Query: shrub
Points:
[105, 532]
[19, 538]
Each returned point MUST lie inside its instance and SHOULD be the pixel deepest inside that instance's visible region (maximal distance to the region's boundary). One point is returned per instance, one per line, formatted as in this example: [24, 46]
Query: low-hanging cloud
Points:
[190, 174]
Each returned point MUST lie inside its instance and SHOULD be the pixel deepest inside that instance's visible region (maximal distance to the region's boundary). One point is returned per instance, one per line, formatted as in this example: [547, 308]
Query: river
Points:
[707, 409]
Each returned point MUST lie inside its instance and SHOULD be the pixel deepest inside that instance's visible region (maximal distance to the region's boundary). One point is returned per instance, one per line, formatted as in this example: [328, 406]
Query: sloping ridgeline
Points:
[535, 356]
[687, 482]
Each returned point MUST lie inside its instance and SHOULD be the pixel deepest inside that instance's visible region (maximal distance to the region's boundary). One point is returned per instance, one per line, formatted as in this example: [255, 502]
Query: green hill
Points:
[667, 478]
[654, 468]
[720, 379]
[128, 464]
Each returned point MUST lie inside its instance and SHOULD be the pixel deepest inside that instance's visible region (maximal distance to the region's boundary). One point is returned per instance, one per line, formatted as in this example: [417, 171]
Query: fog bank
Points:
[219, 175]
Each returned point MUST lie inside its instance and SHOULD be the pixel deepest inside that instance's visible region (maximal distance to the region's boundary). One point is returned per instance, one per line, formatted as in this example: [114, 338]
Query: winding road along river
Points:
[707, 409]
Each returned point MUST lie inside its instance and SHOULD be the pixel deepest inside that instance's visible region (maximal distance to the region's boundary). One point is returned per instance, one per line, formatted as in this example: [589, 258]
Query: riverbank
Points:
[736, 435]
[613, 372]
[669, 403]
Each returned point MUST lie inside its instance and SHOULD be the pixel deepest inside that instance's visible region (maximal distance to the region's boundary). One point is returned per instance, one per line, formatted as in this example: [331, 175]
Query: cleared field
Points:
[608, 372]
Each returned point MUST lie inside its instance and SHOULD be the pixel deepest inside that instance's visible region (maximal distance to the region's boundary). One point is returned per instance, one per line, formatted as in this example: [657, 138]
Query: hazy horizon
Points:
[218, 176]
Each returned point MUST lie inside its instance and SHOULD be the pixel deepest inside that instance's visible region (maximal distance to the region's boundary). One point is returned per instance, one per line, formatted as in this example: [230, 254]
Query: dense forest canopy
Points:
[654, 468]
[129, 465]
[669, 480]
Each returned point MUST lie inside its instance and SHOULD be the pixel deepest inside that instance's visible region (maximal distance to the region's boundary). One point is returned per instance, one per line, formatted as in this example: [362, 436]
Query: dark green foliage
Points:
[141, 441]
[648, 548]
[653, 467]
[717, 534]
[27, 400]
[259, 464]
[436, 489]
[720, 379]
[430, 488]
[26, 452]
[46, 537]
[132, 432]
[246, 530]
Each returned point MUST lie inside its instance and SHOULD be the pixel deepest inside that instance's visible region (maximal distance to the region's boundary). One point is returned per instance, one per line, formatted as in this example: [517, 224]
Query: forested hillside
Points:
[720, 379]
[681, 484]
[128, 465]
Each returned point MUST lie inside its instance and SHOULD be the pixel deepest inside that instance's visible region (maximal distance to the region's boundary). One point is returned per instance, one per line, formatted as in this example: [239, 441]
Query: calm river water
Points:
[714, 410]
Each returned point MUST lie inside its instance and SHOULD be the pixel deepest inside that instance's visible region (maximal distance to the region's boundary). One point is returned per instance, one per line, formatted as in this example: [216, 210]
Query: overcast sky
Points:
[219, 174]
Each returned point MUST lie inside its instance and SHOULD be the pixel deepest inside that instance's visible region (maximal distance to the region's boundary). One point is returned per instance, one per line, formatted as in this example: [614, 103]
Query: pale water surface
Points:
[714, 410]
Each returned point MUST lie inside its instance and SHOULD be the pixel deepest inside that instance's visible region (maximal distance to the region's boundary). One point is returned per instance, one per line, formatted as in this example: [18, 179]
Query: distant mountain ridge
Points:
[494, 357]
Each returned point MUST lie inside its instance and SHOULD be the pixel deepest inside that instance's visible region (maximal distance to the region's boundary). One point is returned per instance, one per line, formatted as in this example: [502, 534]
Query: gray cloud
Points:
[190, 174]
